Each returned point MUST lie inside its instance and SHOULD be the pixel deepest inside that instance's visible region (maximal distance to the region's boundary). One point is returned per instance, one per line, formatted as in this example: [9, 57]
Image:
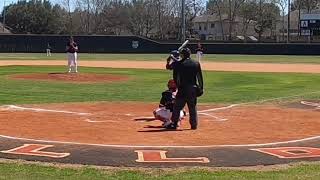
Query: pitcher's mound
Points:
[72, 77]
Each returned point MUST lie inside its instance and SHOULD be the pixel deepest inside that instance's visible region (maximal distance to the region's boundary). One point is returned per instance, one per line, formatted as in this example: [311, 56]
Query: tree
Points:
[267, 17]
[216, 7]
[249, 13]
[35, 16]
[169, 22]
[115, 18]
[193, 8]
[142, 17]
[231, 8]
[233, 11]
[308, 5]
[89, 14]
[283, 5]
[70, 26]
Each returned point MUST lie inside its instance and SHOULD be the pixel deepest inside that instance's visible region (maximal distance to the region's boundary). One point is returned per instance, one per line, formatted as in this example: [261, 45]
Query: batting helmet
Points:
[175, 53]
[186, 52]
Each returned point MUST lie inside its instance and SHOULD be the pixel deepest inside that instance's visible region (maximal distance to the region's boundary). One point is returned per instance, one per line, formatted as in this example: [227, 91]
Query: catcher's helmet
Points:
[175, 53]
[186, 52]
[172, 84]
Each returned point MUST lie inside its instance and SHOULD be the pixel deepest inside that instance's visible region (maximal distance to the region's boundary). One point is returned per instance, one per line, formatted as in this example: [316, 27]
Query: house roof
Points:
[213, 18]
[209, 18]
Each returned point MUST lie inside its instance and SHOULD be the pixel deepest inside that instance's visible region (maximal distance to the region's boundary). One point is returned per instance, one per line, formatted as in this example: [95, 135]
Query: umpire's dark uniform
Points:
[188, 77]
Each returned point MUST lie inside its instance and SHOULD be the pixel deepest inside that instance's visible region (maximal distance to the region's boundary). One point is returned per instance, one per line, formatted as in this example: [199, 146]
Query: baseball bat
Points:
[183, 45]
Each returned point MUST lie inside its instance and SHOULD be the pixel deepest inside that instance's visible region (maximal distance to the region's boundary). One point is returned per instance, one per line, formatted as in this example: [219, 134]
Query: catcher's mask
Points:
[172, 85]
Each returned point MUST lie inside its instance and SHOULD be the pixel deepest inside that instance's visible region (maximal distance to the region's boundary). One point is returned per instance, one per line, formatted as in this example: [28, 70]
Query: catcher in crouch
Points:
[164, 112]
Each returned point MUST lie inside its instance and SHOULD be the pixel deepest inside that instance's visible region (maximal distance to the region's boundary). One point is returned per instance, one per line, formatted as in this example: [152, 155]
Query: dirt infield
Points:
[112, 133]
[114, 123]
[212, 66]
[71, 77]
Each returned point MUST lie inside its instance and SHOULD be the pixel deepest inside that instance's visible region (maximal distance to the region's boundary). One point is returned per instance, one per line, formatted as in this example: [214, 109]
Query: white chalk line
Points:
[19, 108]
[159, 146]
[310, 104]
[259, 101]
[279, 98]
[215, 117]
[219, 108]
[185, 146]
[12, 107]
[91, 121]
[203, 113]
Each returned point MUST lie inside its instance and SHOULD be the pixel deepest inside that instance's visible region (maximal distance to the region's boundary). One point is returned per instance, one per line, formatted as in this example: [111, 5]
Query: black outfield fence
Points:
[134, 44]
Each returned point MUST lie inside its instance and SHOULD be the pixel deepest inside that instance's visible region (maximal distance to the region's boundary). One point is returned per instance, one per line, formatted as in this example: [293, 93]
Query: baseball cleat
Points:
[171, 126]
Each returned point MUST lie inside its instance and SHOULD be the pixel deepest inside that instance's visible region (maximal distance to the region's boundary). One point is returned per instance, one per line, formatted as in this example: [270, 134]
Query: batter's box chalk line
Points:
[206, 112]
[91, 121]
[213, 116]
[313, 104]
[19, 108]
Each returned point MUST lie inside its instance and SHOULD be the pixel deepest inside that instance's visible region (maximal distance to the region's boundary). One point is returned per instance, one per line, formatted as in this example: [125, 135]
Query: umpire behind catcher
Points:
[188, 76]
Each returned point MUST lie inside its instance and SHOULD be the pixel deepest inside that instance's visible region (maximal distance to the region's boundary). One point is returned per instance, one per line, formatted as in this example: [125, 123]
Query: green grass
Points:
[162, 57]
[83, 56]
[15, 171]
[147, 85]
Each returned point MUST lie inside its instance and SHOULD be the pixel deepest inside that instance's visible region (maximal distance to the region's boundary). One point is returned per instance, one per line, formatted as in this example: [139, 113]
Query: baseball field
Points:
[248, 101]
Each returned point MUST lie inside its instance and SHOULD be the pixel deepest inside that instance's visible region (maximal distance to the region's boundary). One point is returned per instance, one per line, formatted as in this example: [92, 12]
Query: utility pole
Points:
[183, 21]
[70, 18]
[88, 18]
[288, 31]
[4, 16]
[299, 24]
[159, 20]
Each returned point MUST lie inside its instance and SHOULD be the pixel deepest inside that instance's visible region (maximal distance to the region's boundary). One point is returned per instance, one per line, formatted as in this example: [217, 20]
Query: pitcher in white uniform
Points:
[199, 51]
[72, 49]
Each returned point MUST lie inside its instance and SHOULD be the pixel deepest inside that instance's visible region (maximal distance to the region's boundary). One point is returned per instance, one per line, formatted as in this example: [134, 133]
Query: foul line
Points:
[158, 146]
[180, 146]
[259, 101]
[19, 108]
[13, 107]
[313, 104]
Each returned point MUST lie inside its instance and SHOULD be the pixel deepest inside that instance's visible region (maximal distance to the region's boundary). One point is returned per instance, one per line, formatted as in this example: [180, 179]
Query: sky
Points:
[7, 2]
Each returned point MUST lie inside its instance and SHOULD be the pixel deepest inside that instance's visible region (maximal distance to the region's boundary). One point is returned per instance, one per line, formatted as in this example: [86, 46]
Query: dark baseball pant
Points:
[189, 96]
